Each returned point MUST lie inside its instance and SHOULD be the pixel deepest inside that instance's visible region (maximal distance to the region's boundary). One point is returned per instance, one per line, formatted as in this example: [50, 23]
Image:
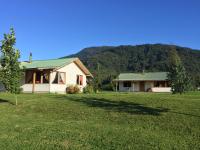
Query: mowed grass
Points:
[100, 121]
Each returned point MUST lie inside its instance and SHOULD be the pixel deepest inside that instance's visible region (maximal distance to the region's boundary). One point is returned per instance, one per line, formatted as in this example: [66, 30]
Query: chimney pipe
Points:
[30, 58]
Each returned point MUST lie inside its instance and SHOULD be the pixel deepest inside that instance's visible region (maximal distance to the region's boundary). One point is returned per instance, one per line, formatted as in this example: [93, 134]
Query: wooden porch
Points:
[41, 80]
[34, 77]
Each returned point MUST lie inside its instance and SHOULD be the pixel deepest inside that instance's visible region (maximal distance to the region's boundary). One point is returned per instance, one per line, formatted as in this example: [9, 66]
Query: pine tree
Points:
[97, 79]
[177, 76]
[10, 66]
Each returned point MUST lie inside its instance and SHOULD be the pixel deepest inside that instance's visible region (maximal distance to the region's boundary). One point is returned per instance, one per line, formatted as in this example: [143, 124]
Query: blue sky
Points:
[56, 28]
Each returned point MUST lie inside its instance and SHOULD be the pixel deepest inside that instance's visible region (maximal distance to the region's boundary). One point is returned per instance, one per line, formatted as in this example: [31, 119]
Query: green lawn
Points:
[100, 121]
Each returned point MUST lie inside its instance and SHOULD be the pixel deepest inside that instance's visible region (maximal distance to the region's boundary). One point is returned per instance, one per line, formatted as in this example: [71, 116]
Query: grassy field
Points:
[100, 121]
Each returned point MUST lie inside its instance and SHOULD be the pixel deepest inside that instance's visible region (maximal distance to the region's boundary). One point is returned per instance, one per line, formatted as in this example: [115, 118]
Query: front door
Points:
[142, 86]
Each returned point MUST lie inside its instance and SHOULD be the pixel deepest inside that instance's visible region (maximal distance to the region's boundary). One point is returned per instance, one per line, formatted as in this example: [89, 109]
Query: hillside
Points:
[148, 57]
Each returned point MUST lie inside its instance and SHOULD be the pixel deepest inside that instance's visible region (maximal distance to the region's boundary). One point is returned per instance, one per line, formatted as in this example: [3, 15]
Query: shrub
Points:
[72, 89]
[108, 87]
[88, 89]
[76, 89]
[20, 90]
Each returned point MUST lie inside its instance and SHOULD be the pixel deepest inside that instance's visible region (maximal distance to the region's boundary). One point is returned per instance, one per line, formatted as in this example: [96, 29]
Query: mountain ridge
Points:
[113, 60]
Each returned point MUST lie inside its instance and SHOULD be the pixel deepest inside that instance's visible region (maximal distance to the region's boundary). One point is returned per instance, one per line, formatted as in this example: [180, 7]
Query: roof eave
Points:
[78, 62]
[139, 80]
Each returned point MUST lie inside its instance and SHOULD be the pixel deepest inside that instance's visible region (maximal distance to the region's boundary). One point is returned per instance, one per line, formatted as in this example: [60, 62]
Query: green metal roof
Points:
[47, 64]
[150, 76]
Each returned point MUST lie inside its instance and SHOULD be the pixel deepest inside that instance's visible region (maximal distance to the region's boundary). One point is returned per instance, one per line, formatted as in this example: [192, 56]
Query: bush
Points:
[88, 89]
[20, 90]
[72, 89]
[108, 87]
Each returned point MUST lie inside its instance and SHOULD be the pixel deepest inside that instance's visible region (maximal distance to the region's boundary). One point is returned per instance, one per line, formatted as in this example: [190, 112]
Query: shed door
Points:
[142, 86]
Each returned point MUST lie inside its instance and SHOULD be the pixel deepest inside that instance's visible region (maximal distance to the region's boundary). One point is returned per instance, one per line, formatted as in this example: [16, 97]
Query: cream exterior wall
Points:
[161, 89]
[136, 87]
[72, 70]
[39, 88]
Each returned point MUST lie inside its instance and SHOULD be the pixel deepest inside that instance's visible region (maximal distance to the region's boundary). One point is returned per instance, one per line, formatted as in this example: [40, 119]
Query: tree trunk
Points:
[15, 99]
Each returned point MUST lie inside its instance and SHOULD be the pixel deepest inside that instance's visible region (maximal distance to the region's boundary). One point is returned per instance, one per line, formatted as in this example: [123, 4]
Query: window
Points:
[79, 80]
[127, 84]
[159, 83]
[45, 77]
[59, 78]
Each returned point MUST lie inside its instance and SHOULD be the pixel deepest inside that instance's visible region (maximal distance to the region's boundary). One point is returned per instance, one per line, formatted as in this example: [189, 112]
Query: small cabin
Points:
[142, 82]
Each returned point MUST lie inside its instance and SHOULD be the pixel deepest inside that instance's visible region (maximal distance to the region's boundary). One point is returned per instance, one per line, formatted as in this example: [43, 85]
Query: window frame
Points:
[78, 79]
[59, 72]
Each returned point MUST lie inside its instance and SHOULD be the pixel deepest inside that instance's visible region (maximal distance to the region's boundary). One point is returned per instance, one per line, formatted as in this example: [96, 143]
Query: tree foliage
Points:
[10, 74]
[179, 80]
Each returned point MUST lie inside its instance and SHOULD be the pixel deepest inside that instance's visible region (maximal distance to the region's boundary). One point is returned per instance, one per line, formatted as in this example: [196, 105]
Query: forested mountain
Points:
[148, 57]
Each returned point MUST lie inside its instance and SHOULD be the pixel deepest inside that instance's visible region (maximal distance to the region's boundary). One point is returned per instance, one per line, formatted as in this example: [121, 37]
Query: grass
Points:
[100, 121]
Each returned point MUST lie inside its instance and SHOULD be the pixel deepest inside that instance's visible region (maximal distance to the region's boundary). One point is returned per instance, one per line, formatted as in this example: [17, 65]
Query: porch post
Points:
[116, 86]
[132, 84]
[41, 79]
[165, 83]
[49, 81]
[34, 77]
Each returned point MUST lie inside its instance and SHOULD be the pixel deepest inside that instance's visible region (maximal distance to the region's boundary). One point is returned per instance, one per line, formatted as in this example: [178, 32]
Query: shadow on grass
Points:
[122, 106]
[186, 114]
[117, 106]
[5, 101]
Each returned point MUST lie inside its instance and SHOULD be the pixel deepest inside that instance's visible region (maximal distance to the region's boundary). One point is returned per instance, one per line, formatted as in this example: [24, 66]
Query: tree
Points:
[10, 66]
[96, 81]
[177, 75]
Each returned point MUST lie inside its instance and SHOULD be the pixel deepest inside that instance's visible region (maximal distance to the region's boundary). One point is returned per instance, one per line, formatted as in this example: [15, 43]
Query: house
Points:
[53, 75]
[142, 82]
